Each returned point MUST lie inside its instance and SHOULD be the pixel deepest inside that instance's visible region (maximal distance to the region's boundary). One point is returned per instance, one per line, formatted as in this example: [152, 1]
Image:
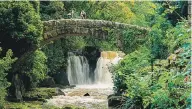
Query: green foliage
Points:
[57, 52]
[126, 12]
[130, 64]
[24, 105]
[40, 94]
[5, 65]
[75, 42]
[106, 43]
[35, 68]
[172, 93]
[162, 88]
[51, 10]
[55, 56]
[19, 20]
[159, 27]
[177, 36]
[36, 105]
[132, 39]
[36, 5]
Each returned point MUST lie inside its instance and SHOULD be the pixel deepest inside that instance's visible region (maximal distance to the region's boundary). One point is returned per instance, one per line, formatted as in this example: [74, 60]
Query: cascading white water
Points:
[102, 73]
[78, 70]
[79, 73]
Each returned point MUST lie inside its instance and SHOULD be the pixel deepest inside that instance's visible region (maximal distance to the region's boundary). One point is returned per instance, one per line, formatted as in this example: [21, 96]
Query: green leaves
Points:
[19, 20]
[5, 65]
[34, 67]
[51, 10]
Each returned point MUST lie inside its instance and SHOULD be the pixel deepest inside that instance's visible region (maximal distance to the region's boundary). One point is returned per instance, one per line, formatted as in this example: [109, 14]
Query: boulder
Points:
[59, 92]
[87, 94]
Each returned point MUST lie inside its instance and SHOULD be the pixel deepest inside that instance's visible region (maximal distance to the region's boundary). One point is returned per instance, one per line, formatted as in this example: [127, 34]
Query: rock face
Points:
[92, 54]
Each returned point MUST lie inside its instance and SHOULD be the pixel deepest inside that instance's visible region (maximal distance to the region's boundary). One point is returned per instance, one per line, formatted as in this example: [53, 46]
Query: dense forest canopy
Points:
[155, 72]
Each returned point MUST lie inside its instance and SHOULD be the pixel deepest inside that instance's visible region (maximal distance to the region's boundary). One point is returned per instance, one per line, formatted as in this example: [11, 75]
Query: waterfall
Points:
[78, 70]
[102, 73]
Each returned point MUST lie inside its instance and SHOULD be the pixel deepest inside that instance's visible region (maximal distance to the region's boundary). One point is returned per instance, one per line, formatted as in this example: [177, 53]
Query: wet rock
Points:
[92, 54]
[114, 101]
[59, 92]
[39, 94]
[87, 94]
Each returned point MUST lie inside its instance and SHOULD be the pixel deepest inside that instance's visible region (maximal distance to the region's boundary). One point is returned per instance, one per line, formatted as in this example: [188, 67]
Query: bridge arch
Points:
[56, 29]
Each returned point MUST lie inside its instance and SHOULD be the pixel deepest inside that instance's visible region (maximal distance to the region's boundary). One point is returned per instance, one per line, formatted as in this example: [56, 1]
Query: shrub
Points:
[5, 65]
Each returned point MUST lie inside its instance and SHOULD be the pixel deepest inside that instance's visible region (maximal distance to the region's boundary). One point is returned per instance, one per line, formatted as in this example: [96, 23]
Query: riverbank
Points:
[76, 97]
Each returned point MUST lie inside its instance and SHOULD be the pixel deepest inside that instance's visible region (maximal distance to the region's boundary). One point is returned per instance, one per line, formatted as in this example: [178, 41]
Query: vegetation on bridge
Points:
[155, 73]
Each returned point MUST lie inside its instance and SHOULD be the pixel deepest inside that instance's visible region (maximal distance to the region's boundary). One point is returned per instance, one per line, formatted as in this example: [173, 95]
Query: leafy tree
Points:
[177, 36]
[33, 69]
[129, 65]
[175, 11]
[51, 10]
[5, 65]
[20, 25]
[55, 55]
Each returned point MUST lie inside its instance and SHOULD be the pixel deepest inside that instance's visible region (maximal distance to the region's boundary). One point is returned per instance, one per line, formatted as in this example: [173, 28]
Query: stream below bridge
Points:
[75, 96]
[98, 84]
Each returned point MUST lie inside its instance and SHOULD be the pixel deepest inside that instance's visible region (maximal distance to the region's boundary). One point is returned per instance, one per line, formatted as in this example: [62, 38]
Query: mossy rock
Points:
[40, 94]
[23, 105]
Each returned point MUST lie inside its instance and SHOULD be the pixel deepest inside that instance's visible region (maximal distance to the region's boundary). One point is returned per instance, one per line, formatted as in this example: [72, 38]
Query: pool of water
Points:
[75, 96]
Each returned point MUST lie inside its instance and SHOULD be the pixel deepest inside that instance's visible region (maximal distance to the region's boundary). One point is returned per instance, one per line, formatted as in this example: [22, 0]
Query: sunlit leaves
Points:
[5, 65]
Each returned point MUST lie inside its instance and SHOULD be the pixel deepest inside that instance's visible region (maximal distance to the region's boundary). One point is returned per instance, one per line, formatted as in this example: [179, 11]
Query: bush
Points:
[5, 65]
[33, 69]
[19, 20]
[162, 88]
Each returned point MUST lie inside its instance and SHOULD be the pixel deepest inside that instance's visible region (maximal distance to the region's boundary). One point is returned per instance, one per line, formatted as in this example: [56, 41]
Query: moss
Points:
[72, 107]
[23, 105]
[40, 94]
[35, 105]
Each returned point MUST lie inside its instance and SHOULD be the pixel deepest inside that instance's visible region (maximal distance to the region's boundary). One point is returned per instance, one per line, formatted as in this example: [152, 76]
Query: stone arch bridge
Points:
[56, 29]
